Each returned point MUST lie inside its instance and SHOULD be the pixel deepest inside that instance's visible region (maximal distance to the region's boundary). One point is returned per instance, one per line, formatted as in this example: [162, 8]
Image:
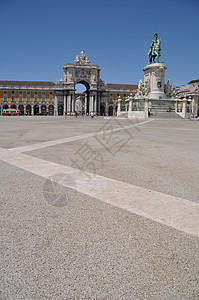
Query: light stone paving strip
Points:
[73, 138]
[172, 211]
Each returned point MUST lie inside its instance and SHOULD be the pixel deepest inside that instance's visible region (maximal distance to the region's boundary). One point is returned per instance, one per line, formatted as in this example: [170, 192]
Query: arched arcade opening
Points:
[82, 97]
[28, 110]
[43, 109]
[21, 109]
[5, 106]
[110, 110]
[102, 109]
[60, 110]
[36, 109]
[51, 110]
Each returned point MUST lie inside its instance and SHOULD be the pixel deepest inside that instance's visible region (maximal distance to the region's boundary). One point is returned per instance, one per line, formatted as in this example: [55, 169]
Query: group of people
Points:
[92, 114]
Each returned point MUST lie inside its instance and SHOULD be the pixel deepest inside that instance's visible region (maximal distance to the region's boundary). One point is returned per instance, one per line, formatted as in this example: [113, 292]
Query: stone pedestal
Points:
[65, 108]
[85, 103]
[146, 106]
[130, 102]
[73, 102]
[69, 104]
[118, 106]
[56, 106]
[176, 106]
[184, 108]
[95, 102]
[154, 78]
[195, 105]
[91, 103]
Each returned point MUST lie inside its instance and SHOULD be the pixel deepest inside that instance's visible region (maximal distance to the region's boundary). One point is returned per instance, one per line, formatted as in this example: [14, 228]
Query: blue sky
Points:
[38, 37]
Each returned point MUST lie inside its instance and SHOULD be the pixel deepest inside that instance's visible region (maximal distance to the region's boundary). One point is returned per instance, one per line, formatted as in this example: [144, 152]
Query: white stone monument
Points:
[153, 95]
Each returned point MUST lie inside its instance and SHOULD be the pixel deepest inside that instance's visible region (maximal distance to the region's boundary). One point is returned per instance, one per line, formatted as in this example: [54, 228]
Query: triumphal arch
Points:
[81, 71]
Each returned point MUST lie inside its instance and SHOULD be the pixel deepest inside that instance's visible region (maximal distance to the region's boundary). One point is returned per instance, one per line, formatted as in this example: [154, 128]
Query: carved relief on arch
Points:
[83, 74]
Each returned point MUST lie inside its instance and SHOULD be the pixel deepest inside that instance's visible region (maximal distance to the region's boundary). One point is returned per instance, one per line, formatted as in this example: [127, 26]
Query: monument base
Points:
[161, 105]
[154, 77]
[138, 115]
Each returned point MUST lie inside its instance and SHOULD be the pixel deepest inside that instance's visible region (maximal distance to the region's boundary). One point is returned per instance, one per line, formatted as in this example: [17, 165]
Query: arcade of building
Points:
[34, 97]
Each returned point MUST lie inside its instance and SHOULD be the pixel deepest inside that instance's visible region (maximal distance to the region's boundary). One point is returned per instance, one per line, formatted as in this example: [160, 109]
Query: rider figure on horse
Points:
[154, 49]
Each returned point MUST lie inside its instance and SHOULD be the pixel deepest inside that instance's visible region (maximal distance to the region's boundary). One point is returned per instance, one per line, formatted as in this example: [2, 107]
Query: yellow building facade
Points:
[116, 91]
[29, 97]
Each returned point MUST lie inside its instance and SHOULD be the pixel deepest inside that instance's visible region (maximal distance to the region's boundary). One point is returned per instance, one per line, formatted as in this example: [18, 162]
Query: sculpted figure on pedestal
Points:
[60, 81]
[167, 89]
[77, 60]
[139, 90]
[87, 60]
[140, 85]
[146, 88]
[83, 55]
[174, 92]
[143, 89]
[155, 49]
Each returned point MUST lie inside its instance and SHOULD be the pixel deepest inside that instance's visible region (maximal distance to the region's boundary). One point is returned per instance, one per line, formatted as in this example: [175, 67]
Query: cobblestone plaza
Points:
[102, 208]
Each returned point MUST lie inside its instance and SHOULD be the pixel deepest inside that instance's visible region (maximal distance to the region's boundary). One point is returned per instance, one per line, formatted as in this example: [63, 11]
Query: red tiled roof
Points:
[27, 83]
[115, 86]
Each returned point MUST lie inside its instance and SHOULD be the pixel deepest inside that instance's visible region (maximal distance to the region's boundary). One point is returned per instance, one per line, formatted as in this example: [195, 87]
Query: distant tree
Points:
[193, 81]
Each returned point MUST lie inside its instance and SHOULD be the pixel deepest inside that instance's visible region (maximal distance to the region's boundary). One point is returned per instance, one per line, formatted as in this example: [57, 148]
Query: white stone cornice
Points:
[26, 88]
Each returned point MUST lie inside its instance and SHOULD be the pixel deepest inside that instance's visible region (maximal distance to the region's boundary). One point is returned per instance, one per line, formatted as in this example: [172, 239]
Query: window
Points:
[111, 99]
[28, 96]
[60, 99]
[51, 97]
[43, 97]
[36, 97]
[20, 96]
[13, 96]
[4, 96]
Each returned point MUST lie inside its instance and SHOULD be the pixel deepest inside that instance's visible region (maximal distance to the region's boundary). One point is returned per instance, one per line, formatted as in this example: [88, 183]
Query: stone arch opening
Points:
[21, 109]
[5, 106]
[82, 97]
[28, 110]
[102, 109]
[60, 110]
[110, 110]
[43, 109]
[13, 106]
[81, 84]
[36, 109]
[51, 110]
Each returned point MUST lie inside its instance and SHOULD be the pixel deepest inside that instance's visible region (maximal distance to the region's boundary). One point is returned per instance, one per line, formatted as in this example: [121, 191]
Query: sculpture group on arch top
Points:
[82, 59]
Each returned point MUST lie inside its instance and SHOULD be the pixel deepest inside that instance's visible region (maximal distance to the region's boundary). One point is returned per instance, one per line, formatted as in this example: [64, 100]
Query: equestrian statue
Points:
[155, 49]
